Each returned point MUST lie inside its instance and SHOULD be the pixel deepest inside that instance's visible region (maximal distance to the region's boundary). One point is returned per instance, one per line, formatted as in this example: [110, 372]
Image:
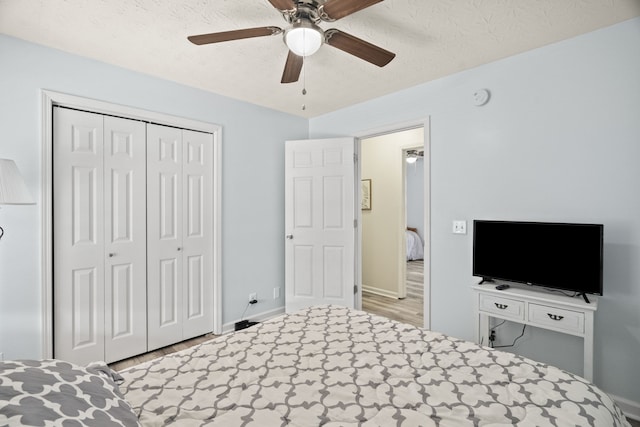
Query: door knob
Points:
[289, 236]
[179, 248]
[112, 254]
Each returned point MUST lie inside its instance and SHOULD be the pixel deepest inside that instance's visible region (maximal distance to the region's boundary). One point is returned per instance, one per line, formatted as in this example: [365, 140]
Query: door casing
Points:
[51, 98]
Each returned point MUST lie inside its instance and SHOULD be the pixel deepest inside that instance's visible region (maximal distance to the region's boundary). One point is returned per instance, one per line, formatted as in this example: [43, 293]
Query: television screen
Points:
[553, 255]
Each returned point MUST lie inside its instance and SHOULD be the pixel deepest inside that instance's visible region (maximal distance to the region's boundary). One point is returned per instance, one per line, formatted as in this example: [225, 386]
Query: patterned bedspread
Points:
[333, 366]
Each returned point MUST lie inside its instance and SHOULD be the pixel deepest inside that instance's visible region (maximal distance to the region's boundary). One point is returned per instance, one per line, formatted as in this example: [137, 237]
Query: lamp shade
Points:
[13, 190]
[304, 38]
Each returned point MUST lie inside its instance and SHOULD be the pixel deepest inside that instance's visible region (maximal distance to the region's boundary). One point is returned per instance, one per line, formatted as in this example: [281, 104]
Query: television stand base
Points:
[485, 280]
[585, 297]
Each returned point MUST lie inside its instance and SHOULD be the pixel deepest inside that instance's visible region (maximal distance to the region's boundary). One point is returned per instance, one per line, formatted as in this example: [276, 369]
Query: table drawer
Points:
[503, 307]
[556, 318]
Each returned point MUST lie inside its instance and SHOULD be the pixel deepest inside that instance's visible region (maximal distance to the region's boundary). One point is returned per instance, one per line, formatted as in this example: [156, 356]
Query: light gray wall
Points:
[253, 175]
[415, 195]
[559, 141]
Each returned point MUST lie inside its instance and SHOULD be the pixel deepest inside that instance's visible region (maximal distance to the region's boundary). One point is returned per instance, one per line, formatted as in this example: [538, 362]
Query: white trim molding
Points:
[630, 408]
[381, 292]
[50, 99]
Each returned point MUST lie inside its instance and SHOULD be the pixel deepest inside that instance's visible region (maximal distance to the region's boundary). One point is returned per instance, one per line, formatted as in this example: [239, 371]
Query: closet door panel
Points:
[198, 232]
[78, 221]
[85, 327]
[195, 300]
[164, 236]
[125, 238]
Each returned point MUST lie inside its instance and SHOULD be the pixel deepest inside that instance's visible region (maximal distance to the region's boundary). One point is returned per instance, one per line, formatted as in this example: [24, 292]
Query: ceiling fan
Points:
[304, 37]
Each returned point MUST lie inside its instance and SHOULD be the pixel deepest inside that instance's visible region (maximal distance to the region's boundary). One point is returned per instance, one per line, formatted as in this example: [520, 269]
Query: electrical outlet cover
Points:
[459, 227]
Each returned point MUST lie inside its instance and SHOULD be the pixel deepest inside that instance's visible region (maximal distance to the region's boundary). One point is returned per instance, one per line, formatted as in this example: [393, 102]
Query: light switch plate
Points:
[459, 226]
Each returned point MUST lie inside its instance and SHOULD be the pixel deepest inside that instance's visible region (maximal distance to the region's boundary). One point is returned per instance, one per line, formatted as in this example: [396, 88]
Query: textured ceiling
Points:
[432, 38]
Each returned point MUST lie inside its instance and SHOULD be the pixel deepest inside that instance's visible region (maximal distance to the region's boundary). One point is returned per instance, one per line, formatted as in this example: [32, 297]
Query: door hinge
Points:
[355, 157]
[355, 289]
[355, 223]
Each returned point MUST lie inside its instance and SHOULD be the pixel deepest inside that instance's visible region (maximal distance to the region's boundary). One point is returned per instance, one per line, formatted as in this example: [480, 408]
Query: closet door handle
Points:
[112, 254]
[179, 248]
[289, 236]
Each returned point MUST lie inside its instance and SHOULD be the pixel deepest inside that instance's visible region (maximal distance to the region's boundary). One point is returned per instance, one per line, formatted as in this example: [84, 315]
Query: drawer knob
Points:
[501, 306]
[555, 316]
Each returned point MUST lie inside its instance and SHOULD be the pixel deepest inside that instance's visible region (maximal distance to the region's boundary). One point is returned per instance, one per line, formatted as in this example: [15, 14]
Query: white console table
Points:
[537, 308]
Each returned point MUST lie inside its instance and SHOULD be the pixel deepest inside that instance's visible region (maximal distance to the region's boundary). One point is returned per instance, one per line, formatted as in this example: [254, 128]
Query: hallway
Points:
[407, 310]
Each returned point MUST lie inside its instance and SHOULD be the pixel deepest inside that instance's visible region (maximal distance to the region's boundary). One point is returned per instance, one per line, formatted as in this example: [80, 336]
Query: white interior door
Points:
[125, 238]
[197, 275]
[164, 236]
[78, 221]
[319, 223]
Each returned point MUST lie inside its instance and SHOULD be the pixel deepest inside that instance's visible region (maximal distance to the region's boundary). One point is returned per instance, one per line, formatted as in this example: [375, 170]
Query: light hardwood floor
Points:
[136, 360]
[408, 310]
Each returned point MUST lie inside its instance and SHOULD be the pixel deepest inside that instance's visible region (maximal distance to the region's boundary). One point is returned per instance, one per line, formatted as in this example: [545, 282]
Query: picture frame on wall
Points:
[366, 195]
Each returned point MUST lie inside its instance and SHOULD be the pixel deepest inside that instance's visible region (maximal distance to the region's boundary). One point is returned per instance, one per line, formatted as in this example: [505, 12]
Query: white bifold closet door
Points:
[99, 191]
[179, 234]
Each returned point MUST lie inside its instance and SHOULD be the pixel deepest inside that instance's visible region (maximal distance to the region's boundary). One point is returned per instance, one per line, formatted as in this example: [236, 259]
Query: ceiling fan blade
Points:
[333, 10]
[357, 47]
[234, 35]
[292, 68]
[283, 5]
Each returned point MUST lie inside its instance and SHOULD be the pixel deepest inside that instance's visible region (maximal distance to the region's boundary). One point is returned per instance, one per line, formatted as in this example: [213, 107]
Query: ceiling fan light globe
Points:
[304, 40]
[411, 160]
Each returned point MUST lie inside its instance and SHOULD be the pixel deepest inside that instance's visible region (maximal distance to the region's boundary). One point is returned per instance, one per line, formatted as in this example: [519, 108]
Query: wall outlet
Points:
[459, 226]
[253, 296]
[276, 292]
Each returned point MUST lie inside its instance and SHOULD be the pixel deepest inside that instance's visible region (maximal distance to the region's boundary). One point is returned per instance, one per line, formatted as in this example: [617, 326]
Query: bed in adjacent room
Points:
[326, 365]
[415, 245]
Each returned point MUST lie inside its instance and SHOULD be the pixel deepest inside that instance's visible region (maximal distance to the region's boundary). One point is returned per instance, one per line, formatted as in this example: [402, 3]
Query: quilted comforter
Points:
[334, 366]
[57, 393]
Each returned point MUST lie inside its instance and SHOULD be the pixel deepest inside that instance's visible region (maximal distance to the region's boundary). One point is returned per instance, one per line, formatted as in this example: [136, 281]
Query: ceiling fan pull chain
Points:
[304, 82]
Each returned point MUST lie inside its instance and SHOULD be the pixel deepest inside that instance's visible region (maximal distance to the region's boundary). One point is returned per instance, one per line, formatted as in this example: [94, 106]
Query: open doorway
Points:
[393, 225]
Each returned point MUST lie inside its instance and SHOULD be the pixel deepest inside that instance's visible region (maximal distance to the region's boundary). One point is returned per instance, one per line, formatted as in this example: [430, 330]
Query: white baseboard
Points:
[381, 292]
[258, 317]
[630, 408]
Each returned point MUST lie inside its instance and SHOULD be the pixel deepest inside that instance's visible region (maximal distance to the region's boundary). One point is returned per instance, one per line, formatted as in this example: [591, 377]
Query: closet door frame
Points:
[51, 99]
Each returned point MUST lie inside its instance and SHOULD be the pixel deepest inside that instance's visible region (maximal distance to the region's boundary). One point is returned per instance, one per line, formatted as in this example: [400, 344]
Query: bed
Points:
[333, 366]
[415, 246]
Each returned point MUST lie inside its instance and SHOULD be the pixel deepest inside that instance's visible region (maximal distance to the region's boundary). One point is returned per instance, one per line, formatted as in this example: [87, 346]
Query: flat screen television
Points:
[553, 255]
